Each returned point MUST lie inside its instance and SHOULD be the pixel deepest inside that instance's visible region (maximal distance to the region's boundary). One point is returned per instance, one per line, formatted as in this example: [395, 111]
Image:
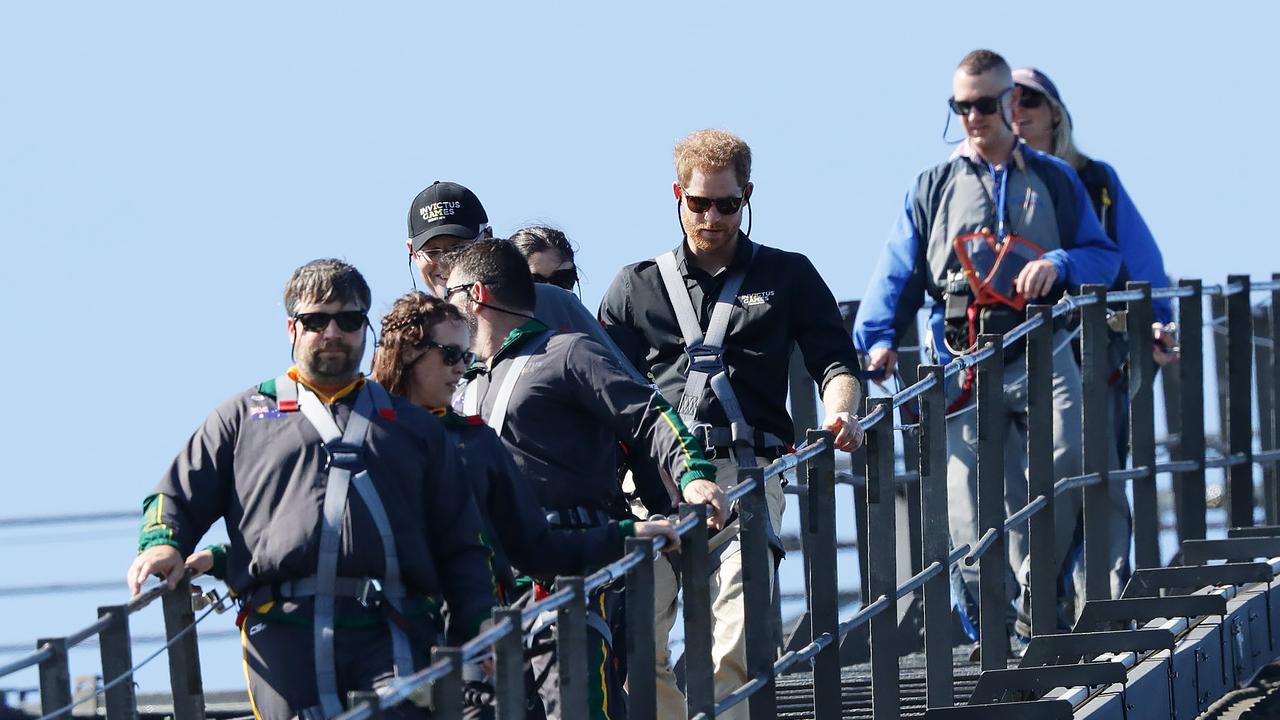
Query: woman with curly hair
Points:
[422, 355]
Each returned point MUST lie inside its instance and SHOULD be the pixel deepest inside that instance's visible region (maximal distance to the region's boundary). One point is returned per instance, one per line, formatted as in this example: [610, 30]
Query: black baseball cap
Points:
[445, 208]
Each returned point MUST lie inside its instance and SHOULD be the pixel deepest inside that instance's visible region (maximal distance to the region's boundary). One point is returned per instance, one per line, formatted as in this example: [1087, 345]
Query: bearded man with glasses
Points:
[348, 529]
[712, 322]
[994, 201]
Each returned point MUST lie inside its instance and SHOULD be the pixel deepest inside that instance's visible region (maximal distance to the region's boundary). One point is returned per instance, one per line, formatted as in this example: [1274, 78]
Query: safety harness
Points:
[706, 366]
[498, 414]
[346, 468]
[706, 363]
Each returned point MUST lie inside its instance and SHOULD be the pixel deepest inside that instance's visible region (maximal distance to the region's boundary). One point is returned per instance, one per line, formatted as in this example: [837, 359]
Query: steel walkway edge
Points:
[1213, 655]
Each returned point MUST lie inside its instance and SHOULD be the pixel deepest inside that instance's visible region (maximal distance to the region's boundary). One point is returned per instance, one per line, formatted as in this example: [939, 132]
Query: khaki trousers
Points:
[728, 650]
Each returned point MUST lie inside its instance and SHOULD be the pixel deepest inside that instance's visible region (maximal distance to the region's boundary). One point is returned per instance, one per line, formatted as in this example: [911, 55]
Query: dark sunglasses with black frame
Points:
[985, 105]
[565, 278]
[1030, 98]
[348, 320]
[724, 205]
[450, 354]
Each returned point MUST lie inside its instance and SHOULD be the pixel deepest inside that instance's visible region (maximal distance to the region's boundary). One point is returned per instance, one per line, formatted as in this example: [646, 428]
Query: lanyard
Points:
[1000, 182]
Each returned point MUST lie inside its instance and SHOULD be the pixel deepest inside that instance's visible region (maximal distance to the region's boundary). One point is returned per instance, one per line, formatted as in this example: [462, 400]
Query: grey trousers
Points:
[280, 668]
[962, 465]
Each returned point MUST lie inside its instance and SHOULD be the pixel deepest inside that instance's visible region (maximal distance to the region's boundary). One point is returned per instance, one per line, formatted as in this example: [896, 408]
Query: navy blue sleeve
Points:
[1142, 257]
[1087, 255]
[897, 284]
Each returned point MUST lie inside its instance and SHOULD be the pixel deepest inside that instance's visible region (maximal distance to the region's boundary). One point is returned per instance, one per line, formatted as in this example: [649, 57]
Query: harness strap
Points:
[471, 398]
[706, 352]
[498, 413]
[286, 394]
[346, 467]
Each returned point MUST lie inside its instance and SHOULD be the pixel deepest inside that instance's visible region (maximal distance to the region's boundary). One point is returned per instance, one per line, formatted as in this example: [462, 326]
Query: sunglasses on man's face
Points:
[724, 205]
[348, 320]
[565, 278]
[449, 354]
[1030, 99]
[985, 105]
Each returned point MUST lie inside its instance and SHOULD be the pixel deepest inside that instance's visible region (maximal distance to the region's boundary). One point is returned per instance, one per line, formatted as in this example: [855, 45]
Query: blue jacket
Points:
[917, 253]
[1122, 221]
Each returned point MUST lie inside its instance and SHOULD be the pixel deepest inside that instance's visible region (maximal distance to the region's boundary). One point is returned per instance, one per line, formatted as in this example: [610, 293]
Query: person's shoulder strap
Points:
[679, 295]
[498, 414]
[718, 326]
[286, 392]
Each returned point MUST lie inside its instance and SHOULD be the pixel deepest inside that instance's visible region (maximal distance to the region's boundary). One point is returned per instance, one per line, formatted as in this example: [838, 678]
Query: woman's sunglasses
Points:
[565, 278]
[450, 354]
[348, 320]
[1030, 99]
[724, 205]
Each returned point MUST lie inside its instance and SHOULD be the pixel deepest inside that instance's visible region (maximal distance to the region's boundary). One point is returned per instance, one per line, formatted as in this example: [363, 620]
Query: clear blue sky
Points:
[164, 166]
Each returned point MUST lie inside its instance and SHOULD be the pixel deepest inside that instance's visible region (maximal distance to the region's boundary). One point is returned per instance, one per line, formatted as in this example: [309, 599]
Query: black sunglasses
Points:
[1030, 99]
[348, 320]
[724, 205]
[565, 278]
[449, 291]
[450, 354]
[985, 105]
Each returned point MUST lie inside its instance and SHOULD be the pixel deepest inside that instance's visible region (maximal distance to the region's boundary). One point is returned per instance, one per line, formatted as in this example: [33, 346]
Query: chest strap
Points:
[706, 352]
[345, 448]
[497, 417]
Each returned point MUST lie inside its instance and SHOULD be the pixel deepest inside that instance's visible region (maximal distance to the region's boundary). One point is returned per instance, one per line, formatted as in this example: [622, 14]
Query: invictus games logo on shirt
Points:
[756, 298]
[438, 211]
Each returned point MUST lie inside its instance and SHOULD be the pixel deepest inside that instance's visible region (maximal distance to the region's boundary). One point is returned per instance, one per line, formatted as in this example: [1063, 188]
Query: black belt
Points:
[578, 517]
[366, 591]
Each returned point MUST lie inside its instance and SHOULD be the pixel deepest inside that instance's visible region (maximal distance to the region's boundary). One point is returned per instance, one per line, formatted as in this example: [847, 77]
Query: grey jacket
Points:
[264, 472]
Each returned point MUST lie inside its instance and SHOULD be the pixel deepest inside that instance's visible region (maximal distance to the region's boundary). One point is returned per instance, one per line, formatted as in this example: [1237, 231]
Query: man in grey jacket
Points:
[559, 401]
[347, 528]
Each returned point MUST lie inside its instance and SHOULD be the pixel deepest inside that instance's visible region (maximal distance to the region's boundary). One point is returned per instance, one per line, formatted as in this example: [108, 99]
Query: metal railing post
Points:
[695, 586]
[804, 415]
[824, 605]
[1099, 442]
[1264, 375]
[1189, 485]
[1240, 402]
[116, 650]
[184, 655]
[993, 566]
[571, 649]
[508, 667]
[757, 569]
[1040, 478]
[55, 677]
[882, 562]
[446, 693]
[936, 540]
[1142, 428]
[1271, 406]
[642, 688]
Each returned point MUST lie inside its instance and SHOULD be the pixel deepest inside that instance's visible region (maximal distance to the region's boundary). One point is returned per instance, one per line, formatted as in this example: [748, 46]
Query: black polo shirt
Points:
[783, 300]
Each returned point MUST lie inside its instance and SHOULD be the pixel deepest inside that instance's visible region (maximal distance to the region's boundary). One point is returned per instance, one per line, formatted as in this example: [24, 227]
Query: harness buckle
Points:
[702, 431]
[370, 594]
[343, 456]
[705, 358]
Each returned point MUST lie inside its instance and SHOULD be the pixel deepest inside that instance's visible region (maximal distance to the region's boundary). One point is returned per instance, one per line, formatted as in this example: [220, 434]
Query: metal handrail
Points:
[45, 652]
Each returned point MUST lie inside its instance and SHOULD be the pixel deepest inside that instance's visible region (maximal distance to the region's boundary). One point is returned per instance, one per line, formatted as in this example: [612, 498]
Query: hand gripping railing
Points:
[112, 630]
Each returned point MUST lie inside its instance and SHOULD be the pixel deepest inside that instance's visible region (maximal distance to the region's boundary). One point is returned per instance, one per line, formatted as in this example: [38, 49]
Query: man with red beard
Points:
[711, 323]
